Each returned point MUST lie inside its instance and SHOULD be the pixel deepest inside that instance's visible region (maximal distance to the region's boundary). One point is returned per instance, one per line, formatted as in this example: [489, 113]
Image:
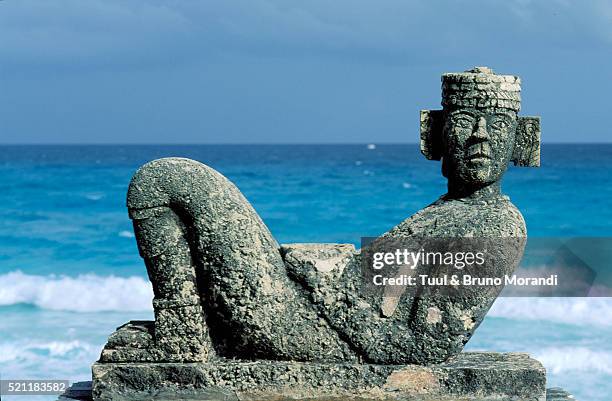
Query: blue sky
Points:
[289, 71]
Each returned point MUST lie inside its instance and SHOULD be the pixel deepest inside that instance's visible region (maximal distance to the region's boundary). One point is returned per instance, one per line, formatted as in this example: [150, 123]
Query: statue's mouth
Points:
[479, 152]
[479, 156]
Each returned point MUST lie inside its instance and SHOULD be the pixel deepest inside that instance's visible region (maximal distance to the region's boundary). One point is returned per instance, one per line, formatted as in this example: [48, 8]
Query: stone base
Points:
[82, 392]
[469, 376]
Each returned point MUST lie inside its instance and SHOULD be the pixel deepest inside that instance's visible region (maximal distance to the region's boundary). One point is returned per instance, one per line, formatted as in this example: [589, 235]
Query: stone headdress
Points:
[480, 87]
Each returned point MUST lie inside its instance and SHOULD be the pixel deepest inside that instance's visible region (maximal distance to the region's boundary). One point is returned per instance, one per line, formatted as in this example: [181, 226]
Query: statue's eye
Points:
[500, 124]
[463, 122]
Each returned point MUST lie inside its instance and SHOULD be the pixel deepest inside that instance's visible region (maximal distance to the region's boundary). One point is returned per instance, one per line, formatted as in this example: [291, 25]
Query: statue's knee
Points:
[166, 181]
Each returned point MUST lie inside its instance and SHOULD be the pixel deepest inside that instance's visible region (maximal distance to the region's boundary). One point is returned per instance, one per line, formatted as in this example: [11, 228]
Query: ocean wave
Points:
[575, 311]
[84, 293]
[67, 360]
[566, 359]
[13, 351]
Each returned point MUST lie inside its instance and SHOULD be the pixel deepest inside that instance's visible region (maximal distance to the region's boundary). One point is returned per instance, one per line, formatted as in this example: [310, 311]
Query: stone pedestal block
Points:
[469, 376]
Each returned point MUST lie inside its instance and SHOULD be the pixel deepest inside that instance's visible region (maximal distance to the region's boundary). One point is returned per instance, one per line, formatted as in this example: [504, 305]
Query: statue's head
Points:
[478, 131]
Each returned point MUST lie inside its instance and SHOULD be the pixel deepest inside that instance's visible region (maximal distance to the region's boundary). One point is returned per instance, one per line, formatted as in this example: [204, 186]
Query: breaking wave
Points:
[565, 359]
[40, 359]
[16, 351]
[575, 311]
[84, 293]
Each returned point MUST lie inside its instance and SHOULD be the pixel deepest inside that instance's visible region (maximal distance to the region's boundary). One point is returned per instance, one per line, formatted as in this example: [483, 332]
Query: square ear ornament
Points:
[431, 133]
[526, 144]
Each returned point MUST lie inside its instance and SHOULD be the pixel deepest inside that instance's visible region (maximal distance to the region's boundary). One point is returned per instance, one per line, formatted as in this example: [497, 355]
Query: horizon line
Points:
[252, 143]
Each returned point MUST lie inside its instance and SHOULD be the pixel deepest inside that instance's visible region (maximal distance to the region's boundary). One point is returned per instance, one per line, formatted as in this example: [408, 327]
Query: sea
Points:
[70, 272]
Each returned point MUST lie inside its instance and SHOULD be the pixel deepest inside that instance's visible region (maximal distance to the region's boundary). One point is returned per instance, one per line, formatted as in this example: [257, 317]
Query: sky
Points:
[289, 71]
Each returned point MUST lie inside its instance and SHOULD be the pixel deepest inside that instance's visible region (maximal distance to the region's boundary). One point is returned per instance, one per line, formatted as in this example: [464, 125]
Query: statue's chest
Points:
[461, 219]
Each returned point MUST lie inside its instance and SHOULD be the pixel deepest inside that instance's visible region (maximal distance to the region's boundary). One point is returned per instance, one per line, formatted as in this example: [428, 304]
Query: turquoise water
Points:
[70, 271]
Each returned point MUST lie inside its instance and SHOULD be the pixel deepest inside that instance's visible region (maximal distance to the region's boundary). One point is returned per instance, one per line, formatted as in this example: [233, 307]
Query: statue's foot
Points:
[178, 334]
[132, 342]
[181, 334]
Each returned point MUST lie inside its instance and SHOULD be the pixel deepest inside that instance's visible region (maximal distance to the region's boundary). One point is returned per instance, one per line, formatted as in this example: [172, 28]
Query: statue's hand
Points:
[314, 265]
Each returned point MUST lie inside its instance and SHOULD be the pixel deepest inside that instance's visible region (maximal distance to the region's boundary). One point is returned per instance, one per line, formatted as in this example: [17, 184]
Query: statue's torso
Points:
[493, 217]
[399, 328]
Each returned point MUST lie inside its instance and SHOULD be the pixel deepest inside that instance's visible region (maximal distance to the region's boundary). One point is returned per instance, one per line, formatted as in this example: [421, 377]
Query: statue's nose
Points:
[481, 129]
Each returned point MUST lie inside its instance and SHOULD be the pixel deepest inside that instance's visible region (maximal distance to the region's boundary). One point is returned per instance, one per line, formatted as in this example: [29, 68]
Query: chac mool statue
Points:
[224, 288]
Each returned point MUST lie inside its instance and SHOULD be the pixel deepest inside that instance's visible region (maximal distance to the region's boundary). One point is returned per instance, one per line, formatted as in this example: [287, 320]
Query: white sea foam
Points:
[126, 234]
[12, 351]
[84, 293]
[566, 359]
[577, 311]
[40, 360]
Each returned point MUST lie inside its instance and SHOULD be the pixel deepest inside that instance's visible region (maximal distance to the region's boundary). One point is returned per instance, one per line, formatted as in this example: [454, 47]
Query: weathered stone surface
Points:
[253, 303]
[468, 376]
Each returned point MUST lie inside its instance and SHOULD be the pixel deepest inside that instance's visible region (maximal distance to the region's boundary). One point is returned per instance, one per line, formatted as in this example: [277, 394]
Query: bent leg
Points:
[229, 257]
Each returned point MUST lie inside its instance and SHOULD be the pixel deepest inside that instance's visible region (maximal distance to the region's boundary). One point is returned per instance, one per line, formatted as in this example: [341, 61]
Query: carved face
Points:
[478, 144]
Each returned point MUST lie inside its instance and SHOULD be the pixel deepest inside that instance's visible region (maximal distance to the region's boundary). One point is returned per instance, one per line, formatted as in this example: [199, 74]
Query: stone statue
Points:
[224, 288]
